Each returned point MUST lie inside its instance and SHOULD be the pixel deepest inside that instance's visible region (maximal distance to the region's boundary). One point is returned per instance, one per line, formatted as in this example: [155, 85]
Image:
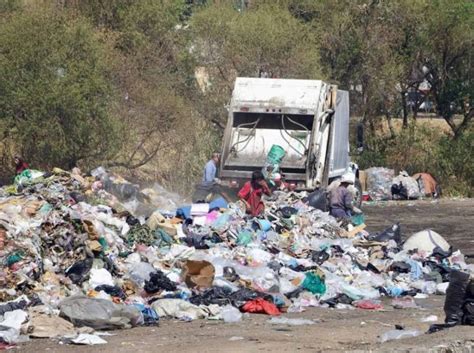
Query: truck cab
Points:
[308, 118]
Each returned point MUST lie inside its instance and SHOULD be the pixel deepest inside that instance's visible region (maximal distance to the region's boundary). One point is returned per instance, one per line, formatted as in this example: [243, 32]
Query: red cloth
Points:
[254, 197]
[260, 306]
[20, 167]
[368, 304]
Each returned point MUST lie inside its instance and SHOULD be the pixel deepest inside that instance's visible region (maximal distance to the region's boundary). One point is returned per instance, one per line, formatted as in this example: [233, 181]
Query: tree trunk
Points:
[465, 123]
[404, 109]
[390, 126]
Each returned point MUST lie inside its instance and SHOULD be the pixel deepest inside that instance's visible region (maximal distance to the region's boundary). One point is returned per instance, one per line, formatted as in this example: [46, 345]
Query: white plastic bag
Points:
[231, 314]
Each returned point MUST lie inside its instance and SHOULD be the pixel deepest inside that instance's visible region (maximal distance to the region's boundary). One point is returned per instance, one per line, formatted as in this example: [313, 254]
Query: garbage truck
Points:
[308, 119]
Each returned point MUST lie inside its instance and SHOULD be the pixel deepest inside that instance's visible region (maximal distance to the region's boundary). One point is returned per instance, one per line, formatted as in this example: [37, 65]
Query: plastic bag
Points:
[368, 304]
[158, 281]
[260, 306]
[410, 184]
[379, 183]
[231, 314]
[99, 314]
[319, 200]
[244, 238]
[290, 322]
[391, 233]
[399, 334]
[455, 295]
[178, 308]
[79, 271]
[314, 283]
[100, 277]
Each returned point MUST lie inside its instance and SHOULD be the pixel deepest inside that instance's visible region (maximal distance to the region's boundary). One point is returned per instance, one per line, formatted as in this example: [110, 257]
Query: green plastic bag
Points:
[358, 219]
[14, 258]
[314, 284]
[244, 238]
[162, 238]
[23, 177]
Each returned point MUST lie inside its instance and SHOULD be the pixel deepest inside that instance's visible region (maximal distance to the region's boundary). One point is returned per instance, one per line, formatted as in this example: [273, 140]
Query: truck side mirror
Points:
[360, 137]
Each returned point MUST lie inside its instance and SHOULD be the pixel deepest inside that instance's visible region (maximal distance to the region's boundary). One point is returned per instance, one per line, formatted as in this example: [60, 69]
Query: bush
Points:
[55, 93]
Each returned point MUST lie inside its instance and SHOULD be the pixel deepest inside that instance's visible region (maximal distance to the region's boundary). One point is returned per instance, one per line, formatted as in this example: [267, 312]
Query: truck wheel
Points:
[358, 195]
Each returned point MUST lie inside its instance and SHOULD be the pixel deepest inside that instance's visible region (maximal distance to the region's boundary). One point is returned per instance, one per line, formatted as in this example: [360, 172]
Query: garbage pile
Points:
[75, 261]
[381, 184]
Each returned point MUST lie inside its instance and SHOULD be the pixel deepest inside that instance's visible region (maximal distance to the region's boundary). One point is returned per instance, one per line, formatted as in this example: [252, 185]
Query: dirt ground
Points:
[335, 330]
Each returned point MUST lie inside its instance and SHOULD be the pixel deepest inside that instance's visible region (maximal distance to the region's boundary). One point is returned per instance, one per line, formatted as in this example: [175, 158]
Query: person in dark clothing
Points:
[251, 193]
[341, 200]
[20, 165]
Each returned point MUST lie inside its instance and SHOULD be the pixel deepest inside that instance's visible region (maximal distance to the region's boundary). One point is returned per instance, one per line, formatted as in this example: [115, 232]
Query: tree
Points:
[260, 41]
[55, 92]
[448, 52]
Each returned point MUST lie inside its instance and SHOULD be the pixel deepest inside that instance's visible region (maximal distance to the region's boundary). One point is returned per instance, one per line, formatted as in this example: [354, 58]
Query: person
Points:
[20, 165]
[251, 194]
[210, 170]
[340, 204]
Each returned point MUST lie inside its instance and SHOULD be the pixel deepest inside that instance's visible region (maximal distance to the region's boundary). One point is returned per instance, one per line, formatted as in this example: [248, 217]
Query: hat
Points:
[347, 178]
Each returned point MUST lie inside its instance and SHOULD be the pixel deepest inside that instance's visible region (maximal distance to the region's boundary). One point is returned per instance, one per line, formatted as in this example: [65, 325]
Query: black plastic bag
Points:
[318, 199]
[287, 212]
[468, 310]
[114, 291]
[339, 299]
[158, 281]
[399, 192]
[438, 252]
[243, 295]
[78, 272]
[455, 296]
[400, 267]
[319, 256]
[391, 233]
[22, 304]
[213, 295]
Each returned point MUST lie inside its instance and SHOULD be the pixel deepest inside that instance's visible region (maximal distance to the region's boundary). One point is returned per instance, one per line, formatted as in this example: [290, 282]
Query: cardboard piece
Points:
[198, 274]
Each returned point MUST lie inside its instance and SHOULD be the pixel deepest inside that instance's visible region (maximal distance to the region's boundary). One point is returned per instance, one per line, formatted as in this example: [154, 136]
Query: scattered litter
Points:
[399, 334]
[231, 314]
[236, 338]
[88, 339]
[290, 322]
[404, 303]
[431, 318]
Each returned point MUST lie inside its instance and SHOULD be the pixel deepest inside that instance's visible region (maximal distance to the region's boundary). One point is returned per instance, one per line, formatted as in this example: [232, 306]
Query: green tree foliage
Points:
[448, 55]
[143, 84]
[261, 41]
[55, 92]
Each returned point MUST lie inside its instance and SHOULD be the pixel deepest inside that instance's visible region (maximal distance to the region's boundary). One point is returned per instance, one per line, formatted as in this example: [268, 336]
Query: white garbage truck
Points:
[309, 119]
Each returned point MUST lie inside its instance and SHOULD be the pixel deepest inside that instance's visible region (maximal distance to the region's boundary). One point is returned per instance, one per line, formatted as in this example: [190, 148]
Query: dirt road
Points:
[334, 330]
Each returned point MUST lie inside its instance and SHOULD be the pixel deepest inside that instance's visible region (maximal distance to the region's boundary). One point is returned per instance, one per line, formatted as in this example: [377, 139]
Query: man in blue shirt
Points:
[210, 170]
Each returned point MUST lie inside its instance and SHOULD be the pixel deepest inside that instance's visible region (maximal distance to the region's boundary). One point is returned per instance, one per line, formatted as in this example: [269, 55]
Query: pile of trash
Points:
[381, 184]
[76, 262]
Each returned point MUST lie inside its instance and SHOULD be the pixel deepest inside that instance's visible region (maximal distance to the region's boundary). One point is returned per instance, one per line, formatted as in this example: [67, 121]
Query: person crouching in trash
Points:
[20, 165]
[340, 203]
[251, 194]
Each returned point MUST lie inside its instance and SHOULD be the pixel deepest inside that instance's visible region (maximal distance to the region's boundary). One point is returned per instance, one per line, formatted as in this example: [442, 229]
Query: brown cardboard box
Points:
[198, 274]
